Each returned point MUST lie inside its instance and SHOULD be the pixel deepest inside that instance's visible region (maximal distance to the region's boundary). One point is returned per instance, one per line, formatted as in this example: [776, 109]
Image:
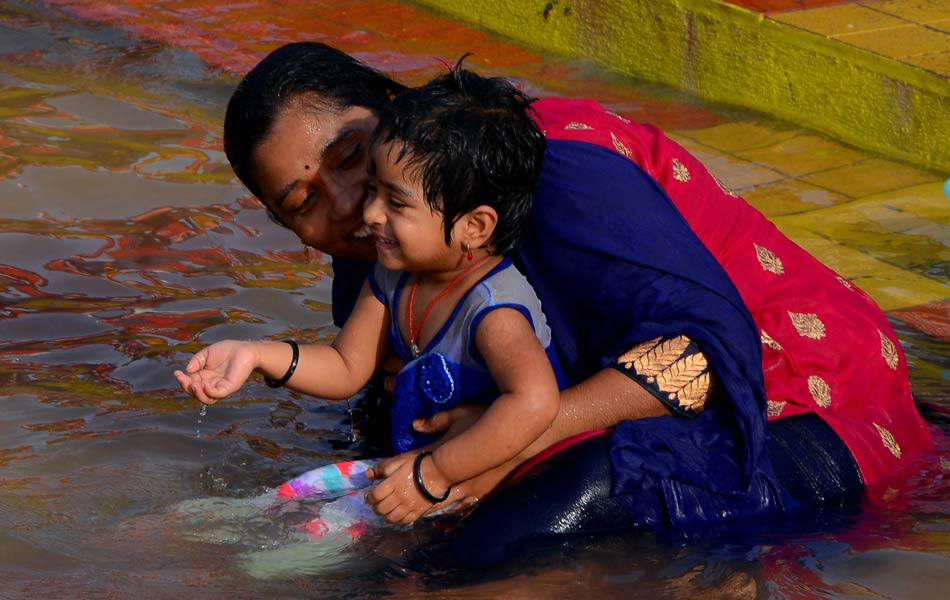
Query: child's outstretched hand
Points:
[218, 370]
[396, 497]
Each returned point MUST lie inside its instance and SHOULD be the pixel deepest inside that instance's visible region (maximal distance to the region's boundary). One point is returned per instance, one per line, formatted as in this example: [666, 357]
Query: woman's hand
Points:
[391, 366]
[216, 371]
[467, 494]
[450, 422]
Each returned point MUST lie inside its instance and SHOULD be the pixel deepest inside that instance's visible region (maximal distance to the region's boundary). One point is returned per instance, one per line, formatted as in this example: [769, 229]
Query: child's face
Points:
[409, 235]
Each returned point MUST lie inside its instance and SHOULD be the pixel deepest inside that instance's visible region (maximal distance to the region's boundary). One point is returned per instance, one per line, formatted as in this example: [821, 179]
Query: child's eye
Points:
[395, 202]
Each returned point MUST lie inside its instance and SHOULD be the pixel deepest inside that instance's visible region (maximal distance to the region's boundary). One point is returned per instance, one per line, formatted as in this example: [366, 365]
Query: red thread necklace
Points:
[413, 334]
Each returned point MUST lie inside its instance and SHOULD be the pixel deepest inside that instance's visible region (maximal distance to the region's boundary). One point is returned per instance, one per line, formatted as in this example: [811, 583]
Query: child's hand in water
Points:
[218, 370]
[397, 497]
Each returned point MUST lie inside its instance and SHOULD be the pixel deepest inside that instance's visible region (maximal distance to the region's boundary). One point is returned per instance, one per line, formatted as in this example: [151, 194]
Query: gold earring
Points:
[468, 252]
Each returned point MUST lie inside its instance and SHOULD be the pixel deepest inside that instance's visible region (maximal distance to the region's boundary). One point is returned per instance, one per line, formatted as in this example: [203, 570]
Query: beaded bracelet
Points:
[417, 474]
[290, 370]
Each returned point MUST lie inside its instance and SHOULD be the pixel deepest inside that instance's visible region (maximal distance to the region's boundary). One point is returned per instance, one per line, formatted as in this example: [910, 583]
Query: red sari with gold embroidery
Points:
[827, 347]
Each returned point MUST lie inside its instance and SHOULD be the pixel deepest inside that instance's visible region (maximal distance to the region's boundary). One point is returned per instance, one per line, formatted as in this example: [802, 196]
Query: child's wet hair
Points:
[472, 142]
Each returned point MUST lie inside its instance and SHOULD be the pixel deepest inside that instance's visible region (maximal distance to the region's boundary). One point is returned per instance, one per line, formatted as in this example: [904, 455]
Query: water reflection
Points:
[126, 244]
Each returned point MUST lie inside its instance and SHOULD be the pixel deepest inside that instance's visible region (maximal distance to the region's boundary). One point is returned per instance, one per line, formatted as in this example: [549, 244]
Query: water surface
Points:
[126, 244]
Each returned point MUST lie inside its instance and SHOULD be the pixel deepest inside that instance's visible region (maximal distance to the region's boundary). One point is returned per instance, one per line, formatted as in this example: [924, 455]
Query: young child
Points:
[453, 167]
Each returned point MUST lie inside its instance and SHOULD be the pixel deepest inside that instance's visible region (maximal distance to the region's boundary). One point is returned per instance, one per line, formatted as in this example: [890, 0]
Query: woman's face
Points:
[311, 172]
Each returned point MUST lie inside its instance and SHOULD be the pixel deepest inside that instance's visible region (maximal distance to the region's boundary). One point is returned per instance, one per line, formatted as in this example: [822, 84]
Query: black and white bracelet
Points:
[276, 383]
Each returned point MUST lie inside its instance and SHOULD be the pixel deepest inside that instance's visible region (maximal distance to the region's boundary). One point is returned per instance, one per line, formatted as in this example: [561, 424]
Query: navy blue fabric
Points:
[813, 464]
[348, 278]
[615, 264]
[569, 494]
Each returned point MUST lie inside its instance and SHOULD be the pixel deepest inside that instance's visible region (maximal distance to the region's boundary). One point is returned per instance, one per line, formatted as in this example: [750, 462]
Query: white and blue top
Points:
[450, 371]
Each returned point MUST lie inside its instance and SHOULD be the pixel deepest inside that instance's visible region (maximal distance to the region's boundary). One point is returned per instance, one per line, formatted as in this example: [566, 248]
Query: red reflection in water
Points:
[25, 282]
[409, 43]
[151, 256]
[932, 319]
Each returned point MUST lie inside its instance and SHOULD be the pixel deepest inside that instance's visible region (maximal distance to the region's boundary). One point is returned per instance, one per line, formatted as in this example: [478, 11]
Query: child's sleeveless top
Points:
[450, 371]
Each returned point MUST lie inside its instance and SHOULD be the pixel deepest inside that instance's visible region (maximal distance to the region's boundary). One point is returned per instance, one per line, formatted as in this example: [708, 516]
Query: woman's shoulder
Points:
[586, 120]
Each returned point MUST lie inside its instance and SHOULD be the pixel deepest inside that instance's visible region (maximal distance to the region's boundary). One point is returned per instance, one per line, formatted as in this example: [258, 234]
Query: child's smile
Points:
[384, 245]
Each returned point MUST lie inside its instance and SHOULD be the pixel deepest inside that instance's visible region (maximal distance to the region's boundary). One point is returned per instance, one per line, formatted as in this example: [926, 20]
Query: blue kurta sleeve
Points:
[615, 264]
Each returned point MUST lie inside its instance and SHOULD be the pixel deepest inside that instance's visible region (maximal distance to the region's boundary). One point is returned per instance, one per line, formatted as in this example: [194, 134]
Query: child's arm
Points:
[525, 409]
[331, 371]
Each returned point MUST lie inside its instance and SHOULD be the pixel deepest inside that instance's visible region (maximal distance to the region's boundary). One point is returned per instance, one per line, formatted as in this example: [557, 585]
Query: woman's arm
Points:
[599, 402]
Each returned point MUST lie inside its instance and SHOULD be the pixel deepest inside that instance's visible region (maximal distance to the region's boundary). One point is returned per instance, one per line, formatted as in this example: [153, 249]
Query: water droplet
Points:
[202, 412]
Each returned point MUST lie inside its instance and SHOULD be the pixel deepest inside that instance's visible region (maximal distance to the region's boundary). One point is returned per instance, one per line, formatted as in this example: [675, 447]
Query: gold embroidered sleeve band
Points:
[673, 369]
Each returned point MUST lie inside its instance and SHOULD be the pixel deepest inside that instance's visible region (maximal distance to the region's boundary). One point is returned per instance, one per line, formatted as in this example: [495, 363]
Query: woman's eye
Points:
[351, 159]
[306, 205]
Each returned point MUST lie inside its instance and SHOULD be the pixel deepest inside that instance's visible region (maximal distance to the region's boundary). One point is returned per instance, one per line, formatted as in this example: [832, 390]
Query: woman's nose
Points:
[349, 201]
[371, 209]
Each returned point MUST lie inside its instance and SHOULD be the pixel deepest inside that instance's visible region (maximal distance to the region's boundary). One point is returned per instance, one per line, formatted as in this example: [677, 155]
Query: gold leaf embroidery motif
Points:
[889, 442]
[649, 358]
[680, 172]
[576, 125]
[725, 189]
[666, 366]
[944, 463]
[808, 325]
[768, 260]
[619, 145]
[845, 282]
[888, 351]
[635, 354]
[768, 341]
[621, 117]
[678, 375]
[694, 395]
[819, 391]
[774, 409]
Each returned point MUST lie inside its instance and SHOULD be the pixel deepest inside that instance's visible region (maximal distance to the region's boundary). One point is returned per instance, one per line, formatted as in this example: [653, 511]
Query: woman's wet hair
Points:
[472, 142]
[330, 77]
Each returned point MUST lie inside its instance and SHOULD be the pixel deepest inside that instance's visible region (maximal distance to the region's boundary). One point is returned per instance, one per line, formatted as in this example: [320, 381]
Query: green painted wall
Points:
[731, 55]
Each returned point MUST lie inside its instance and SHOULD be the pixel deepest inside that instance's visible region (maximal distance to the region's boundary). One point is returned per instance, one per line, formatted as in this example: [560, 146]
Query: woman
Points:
[668, 296]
